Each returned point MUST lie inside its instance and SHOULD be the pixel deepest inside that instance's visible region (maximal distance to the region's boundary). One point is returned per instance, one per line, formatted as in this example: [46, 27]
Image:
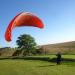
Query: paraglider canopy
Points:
[23, 19]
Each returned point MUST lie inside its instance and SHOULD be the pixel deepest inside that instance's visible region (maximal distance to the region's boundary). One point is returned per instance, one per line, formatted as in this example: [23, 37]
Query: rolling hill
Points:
[64, 48]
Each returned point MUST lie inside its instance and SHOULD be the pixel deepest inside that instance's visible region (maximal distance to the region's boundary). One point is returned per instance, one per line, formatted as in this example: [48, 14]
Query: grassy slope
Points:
[31, 67]
[65, 48]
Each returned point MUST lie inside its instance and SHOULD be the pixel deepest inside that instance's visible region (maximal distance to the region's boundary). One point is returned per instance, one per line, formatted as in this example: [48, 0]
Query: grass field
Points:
[37, 67]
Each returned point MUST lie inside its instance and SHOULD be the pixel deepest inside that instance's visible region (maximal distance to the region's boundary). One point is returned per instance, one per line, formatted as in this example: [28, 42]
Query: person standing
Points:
[58, 59]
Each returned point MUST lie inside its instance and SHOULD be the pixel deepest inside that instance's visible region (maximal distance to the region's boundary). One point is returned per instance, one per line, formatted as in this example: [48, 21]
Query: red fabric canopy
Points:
[23, 19]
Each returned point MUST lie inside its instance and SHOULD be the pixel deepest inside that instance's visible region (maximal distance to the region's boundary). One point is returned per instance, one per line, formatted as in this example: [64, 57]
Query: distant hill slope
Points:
[65, 48]
[7, 51]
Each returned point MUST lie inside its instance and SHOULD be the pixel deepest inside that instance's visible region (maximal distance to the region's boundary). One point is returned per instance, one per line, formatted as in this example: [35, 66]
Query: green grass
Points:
[37, 67]
[69, 56]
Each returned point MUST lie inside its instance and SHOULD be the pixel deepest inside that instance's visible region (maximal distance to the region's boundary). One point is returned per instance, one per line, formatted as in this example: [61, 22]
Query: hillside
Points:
[6, 51]
[65, 48]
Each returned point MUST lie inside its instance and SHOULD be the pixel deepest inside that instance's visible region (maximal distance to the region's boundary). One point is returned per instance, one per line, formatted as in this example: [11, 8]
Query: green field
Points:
[37, 67]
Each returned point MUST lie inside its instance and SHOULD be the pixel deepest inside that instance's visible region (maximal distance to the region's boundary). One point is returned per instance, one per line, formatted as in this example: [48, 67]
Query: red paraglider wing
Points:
[23, 19]
[28, 19]
[9, 29]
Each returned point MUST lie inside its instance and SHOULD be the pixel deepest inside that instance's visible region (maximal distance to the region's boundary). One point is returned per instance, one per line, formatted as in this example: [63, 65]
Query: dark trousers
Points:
[58, 61]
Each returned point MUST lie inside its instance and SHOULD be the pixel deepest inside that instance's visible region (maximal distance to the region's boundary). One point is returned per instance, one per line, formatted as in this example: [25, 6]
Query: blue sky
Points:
[58, 17]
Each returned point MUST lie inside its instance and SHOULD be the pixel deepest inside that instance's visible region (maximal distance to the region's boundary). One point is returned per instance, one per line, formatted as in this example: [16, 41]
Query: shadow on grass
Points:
[38, 58]
[46, 65]
[27, 58]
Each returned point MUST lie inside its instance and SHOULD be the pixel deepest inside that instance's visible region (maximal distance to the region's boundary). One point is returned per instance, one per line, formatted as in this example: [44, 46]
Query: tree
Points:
[26, 43]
